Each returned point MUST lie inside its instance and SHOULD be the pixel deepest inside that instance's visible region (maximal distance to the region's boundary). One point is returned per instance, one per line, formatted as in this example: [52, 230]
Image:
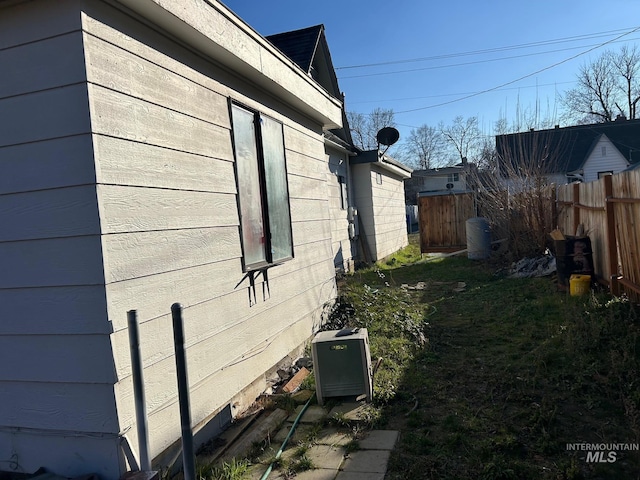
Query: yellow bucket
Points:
[579, 284]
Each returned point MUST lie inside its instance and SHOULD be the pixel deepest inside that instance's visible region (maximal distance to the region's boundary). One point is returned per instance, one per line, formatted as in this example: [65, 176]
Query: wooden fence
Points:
[442, 220]
[609, 210]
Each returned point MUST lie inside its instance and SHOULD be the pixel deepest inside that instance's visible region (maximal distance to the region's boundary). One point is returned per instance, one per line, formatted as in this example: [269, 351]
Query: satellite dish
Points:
[387, 136]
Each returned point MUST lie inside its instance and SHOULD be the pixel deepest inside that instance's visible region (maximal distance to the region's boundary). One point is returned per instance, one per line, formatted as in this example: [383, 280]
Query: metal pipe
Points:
[138, 390]
[188, 457]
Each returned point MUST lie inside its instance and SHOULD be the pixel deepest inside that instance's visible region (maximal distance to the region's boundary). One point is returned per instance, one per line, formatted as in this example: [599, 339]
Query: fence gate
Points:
[442, 220]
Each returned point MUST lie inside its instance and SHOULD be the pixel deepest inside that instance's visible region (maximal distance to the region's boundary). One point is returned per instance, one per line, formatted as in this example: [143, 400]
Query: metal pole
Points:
[188, 458]
[138, 390]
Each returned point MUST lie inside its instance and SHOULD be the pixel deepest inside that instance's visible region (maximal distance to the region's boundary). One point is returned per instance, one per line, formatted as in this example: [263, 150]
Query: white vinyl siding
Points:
[611, 161]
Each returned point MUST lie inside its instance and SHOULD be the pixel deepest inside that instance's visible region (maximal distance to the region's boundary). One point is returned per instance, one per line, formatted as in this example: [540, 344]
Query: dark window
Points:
[453, 177]
[263, 194]
[604, 174]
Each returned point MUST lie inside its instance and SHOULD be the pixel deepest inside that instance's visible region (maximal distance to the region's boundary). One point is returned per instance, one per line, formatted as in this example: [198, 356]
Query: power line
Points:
[587, 36]
[437, 67]
[460, 93]
[511, 82]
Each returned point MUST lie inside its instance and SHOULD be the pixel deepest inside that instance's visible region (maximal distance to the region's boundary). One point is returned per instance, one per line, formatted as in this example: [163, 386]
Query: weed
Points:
[498, 469]
[352, 445]
[309, 383]
[286, 403]
[231, 470]
[339, 419]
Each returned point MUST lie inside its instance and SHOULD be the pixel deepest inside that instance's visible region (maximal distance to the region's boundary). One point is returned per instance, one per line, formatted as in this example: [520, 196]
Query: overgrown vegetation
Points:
[489, 377]
[485, 376]
[231, 470]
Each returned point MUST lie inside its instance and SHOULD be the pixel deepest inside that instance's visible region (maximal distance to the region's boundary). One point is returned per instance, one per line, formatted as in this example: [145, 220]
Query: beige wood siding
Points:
[167, 198]
[56, 367]
[118, 192]
[382, 210]
[389, 214]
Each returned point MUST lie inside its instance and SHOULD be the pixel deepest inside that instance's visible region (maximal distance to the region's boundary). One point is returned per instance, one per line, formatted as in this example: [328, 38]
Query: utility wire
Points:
[437, 67]
[511, 82]
[460, 93]
[575, 38]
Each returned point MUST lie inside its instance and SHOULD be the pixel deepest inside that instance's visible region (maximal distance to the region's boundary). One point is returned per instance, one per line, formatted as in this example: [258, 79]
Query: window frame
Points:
[275, 208]
[453, 177]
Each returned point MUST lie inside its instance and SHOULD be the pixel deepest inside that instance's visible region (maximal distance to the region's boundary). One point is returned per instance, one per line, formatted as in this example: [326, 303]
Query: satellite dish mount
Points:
[387, 136]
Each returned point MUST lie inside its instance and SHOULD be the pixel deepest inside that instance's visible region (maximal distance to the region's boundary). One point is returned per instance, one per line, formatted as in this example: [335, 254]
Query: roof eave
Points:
[211, 28]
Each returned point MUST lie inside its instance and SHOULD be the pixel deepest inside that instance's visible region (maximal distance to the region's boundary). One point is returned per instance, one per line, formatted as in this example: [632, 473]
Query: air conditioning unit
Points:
[342, 364]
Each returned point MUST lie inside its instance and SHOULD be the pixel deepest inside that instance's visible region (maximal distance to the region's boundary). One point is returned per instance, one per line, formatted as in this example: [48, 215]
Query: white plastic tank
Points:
[478, 238]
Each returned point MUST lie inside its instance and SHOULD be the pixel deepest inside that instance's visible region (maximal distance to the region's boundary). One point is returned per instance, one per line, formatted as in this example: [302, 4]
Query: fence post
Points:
[138, 390]
[188, 457]
[554, 207]
[612, 248]
[576, 207]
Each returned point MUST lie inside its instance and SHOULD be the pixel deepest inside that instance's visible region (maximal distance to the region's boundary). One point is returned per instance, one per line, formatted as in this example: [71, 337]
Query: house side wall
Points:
[343, 255]
[168, 209]
[439, 183]
[381, 209]
[609, 160]
[389, 214]
[57, 404]
[361, 179]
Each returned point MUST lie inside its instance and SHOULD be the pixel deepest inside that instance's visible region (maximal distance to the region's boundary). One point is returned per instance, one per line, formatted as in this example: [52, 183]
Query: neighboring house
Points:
[378, 185]
[154, 152]
[308, 48]
[453, 179]
[582, 152]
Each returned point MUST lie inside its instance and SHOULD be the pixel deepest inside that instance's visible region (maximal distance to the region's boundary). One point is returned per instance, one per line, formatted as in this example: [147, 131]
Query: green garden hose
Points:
[286, 440]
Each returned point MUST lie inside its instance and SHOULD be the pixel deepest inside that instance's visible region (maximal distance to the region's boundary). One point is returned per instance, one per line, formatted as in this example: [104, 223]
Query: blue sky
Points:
[424, 90]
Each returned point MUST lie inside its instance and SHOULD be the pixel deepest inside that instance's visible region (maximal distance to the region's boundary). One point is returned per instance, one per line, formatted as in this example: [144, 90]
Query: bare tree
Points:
[463, 136]
[364, 127]
[515, 192]
[425, 147]
[627, 65]
[358, 127]
[593, 100]
[607, 87]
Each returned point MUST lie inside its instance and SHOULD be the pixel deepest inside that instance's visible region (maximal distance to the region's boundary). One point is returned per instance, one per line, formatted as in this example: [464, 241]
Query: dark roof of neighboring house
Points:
[298, 45]
[566, 149]
[308, 48]
[634, 166]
